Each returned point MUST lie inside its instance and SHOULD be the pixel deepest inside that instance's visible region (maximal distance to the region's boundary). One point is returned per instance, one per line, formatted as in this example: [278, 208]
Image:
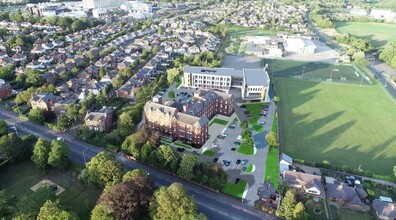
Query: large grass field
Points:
[346, 125]
[235, 190]
[378, 33]
[17, 179]
[314, 71]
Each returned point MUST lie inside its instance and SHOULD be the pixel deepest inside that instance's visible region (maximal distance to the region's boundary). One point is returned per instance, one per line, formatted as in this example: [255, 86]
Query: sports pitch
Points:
[346, 125]
[377, 33]
[315, 71]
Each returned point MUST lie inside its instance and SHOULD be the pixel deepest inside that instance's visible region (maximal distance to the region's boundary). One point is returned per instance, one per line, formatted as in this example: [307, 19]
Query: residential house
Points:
[350, 196]
[5, 90]
[309, 183]
[43, 101]
[268, 197]
[384, 209]
[101, 120]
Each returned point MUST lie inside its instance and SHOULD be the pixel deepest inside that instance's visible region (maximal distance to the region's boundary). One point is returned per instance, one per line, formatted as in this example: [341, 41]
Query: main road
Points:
[212, 204]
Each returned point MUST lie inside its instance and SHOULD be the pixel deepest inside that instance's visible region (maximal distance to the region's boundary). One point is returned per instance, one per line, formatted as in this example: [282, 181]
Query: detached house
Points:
[385, 209]
[101, 120]
[5, 90]
[43, 101]
[307, 182]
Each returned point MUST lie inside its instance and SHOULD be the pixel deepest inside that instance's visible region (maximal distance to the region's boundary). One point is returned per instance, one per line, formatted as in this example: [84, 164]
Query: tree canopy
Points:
[41, 153]
[103, 170]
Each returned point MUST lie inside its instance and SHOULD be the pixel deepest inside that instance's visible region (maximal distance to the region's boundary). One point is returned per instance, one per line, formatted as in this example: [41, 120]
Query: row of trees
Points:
[41, 204]
[54, 153]
[388, 54]
[320, 19]
[358, 44]
[142, 145]
[205, 59]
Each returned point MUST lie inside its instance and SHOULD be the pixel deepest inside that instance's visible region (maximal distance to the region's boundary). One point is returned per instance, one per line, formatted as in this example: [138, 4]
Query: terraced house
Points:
[188, 121]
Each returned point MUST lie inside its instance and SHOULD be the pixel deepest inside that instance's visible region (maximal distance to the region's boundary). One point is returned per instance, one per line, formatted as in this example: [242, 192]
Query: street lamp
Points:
[302, 74]
[85, 161]
[332, 71]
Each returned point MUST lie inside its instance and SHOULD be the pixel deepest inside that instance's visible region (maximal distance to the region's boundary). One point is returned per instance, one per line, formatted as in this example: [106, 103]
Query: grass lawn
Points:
[319, 72]
[178, 83]
[166, 140]
[311, 205]
[377, 33]
[254, 110]
[348, 214]
[218, 121]
[243, 149]
[271, 167]
[208, 153]
[274, 123]
[179, 144]
[17, 179]
[347, 125]
[235, 190]
[233, 48]
[249, 169]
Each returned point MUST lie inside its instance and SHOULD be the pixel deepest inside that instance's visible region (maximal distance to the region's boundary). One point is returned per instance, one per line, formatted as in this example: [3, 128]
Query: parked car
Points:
[244, 168]
[238, 162]
[237, 180]
[248, 116]
[179, 149]
[215, 159]
[220, 136]
[244, 162]
[233, 149]
[60, 139]
[237, 143]
[246, 112]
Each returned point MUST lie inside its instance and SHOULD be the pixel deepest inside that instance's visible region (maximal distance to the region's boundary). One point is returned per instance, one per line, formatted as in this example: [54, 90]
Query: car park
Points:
[237, 180]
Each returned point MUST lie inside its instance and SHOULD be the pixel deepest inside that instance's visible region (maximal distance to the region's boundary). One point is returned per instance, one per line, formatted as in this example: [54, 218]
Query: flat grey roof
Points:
[256, 77]
[214, 71]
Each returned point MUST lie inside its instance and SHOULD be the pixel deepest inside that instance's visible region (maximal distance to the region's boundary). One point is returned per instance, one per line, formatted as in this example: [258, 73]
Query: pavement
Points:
[383, 72]
[212, 204]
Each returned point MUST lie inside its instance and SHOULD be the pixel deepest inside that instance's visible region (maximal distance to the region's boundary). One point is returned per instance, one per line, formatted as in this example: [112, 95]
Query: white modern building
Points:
[137, 9]
[385, 14]
[254, 83]
[91, 4]
[298, 45]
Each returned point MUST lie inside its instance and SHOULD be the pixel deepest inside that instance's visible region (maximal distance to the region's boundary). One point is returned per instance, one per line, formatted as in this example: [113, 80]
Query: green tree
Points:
[52, 211]
[171, 94]
[394, 170]
[299, 211]
[187, 164]
[276, 99]
[172, 74]
[5, 206]
[13, 149]
[130, 199]
[360, 59]
[167, 158]
[36, 116]
[101, 212]
[125, 125]
[146, 151]
[103, 170]
[59, 155]
[212, 175]
[62, 122]
[25, 96]
[3, 128]
[199, 216]
[29, 206]
[272, 139]
[41, 153]
[172, 202]
[131, 175]
[72, 111]
[287, 206]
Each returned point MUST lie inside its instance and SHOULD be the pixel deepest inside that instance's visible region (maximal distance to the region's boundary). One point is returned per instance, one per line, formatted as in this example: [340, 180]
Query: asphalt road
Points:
[212, 204]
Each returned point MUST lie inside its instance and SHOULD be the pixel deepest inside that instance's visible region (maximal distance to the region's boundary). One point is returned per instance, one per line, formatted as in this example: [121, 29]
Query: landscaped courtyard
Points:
[343, 125]
[17, 180]
[254, 110]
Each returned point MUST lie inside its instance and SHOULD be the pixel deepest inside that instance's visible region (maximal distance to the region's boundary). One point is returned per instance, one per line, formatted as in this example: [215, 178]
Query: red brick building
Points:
[5, 90]
[188, 122]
